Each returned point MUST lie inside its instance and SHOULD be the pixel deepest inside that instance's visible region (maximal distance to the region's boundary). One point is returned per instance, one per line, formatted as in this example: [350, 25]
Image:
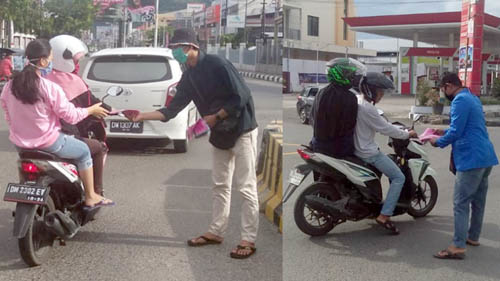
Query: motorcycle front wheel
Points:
[311, 221]
[37, 244]
[424, 199]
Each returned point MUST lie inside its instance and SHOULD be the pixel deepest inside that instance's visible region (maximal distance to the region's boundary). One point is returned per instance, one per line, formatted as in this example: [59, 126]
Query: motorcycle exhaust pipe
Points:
[61, 225]
[335, 209]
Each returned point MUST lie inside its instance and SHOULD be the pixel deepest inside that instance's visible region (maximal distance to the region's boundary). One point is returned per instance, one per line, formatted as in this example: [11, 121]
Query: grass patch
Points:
[489, 101]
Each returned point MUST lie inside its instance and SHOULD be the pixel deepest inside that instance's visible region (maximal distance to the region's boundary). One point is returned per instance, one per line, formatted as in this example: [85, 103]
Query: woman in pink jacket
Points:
[33, 106]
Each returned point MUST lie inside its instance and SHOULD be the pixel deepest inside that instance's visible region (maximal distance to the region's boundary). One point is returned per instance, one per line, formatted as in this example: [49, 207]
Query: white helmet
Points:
[64, 50]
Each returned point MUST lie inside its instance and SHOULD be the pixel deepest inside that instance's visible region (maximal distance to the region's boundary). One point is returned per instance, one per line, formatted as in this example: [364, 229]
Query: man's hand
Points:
[211, 120]
[439, 132]
[413, 134]
[433, 141]
[133, 115]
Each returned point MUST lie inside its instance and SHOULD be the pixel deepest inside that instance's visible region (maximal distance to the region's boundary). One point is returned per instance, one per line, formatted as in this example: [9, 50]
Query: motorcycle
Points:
[50, 201]
[350, 189]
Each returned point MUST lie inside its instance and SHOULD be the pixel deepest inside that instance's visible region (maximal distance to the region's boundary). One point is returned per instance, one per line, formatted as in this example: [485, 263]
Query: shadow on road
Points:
[418, 250]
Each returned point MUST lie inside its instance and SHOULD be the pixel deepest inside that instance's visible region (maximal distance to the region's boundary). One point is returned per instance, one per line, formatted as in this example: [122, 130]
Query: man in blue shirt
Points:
[473, 157]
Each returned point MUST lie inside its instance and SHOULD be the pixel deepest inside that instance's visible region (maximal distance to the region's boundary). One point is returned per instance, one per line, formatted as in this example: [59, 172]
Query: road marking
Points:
[188, 186]
[289, 153]
[291, 144]
[188, 211]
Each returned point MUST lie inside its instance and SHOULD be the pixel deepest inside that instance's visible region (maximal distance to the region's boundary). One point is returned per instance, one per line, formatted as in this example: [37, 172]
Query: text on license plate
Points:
[26, 193]
[126, 127]
[296, 177]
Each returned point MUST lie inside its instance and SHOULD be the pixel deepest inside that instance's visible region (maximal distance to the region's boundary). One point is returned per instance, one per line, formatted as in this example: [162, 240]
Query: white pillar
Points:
[400, 61]
[228, 46]
[243, 46]
[414, 62]
[451, 44]
[484, 76]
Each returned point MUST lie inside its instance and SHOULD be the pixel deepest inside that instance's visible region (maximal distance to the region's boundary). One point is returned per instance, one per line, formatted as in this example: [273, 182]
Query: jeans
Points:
[471, 187]
[71, 148]
[384, 164]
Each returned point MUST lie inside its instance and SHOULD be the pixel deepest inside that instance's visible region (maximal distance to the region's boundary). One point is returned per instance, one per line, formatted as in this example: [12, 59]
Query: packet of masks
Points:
[428, 134]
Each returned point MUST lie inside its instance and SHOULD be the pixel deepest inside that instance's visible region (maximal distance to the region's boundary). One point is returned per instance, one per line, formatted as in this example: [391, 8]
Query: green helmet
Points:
[345, 71]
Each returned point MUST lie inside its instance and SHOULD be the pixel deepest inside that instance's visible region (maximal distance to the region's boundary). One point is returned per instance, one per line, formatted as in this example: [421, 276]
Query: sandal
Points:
[252, 250]
[206, 241]
[472, 243]
[389, 225]
[448, 255]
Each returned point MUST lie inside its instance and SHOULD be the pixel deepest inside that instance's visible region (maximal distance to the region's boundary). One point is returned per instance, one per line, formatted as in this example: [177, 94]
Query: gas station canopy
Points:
[432, 28]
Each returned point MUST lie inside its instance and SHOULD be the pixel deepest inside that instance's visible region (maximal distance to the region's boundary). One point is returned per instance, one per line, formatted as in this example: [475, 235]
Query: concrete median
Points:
[269, 172]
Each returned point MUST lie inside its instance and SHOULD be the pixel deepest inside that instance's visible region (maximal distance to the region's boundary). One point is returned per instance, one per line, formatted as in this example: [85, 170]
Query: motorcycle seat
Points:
[41, 155]
[362, 163]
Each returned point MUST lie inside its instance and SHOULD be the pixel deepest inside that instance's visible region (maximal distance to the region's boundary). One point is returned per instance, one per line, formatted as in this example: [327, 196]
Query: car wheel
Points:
[180, 146]
[303, 116]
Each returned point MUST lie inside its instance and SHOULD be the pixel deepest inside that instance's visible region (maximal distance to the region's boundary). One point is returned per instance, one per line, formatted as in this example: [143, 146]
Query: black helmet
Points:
[343, 71]
[373, 81]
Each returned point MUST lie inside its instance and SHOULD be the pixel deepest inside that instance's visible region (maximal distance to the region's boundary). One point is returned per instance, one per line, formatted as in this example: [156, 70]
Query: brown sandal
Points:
[389, 225]
[472, 243]
[240, 247]
[448, 255]
[206, 241]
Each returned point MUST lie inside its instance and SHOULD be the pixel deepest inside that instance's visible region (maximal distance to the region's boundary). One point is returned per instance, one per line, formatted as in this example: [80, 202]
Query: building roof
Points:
[432, 28]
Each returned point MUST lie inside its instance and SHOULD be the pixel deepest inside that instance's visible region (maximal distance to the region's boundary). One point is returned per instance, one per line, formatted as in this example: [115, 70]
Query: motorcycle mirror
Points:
[417, 117]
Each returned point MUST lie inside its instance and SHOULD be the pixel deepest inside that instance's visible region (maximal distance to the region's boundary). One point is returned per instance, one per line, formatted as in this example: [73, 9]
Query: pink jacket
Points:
[37, 125]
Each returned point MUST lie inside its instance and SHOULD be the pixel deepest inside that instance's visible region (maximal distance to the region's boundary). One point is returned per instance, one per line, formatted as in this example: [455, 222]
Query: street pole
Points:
[317, 64]
[156, 25]
[245, 28]
[263, 25]
[225, 25]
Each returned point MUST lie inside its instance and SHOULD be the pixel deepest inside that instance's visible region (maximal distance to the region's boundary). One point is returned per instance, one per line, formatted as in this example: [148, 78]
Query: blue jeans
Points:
[71, 148]
[471, 187]
[384, 164]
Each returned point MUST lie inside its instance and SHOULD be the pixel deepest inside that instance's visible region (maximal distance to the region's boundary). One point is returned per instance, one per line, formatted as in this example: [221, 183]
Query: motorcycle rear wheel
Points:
[37, 244]
[427, 194]
[310, 221]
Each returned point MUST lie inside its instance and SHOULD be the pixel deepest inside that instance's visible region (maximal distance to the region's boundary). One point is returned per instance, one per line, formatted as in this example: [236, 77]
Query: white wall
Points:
[326, 13]
[301, 66]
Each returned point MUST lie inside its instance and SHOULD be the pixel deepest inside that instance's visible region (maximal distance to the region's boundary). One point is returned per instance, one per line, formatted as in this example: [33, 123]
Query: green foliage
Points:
[422, 89]
[68, 17]
[489, 100]
[150, 33]
[26, 14]
[495, 90]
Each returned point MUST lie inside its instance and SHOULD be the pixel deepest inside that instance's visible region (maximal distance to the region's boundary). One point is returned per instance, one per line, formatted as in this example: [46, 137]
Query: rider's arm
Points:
[381, 125]
[178, 103]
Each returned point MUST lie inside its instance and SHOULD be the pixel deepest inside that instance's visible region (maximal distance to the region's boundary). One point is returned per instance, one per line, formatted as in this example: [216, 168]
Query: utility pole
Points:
[276, 30]
[155, 43]
[245, 28]
[263, 20]
[225, 25]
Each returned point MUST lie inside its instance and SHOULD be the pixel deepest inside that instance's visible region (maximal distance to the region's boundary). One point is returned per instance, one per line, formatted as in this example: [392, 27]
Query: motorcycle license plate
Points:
[126, 127]
[26, 193]
[296, 177]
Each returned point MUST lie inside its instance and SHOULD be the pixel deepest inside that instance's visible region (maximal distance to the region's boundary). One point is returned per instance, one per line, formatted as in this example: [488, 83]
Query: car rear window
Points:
[313, 92]
[130, 69]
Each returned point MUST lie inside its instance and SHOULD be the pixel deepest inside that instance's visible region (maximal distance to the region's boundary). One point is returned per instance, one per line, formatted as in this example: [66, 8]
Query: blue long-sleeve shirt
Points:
[472, 148]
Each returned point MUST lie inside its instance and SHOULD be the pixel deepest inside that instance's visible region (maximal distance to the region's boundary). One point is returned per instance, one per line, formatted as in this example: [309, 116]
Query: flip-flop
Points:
[208, 241]
[447, 255]
[101, 203]
[472, 243]
[241, 247]
[389, 225]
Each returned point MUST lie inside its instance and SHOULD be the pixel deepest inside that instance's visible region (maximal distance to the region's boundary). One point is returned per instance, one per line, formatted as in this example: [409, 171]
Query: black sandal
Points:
[207, 241]
[389, 225]
[240, 247]
[448, 255]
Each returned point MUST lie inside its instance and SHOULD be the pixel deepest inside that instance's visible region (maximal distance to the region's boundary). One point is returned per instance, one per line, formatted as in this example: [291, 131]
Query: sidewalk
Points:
[261, 76]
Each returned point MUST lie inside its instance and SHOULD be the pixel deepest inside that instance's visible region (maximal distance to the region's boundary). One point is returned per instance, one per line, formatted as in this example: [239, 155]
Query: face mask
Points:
[47, 70]
[179, 55]
[450, 98]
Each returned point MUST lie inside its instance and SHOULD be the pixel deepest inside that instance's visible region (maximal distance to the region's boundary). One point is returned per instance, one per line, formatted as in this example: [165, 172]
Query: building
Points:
[315, 33]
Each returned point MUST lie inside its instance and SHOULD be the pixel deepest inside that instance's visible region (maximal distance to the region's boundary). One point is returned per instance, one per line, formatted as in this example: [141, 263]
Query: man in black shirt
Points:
[225, 102]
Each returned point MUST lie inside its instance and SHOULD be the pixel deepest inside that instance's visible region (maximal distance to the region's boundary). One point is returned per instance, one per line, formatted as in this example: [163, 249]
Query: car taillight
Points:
[30, 168]
[303, 154]
[299, 97]
[172, 90]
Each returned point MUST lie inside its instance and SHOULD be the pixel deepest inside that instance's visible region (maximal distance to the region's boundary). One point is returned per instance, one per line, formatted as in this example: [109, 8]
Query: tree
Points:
[67, 17]
[25, 14]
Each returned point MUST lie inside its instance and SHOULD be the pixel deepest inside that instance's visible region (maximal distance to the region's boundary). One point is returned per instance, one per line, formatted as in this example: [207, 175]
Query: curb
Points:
[445, 120]
[261, 76]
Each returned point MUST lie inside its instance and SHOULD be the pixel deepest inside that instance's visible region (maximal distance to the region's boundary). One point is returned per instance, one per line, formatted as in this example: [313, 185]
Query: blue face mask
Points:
[179, 55]
[47, 70]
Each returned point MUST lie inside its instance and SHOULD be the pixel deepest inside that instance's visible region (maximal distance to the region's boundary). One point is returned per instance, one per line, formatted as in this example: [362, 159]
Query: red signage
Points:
[471, 44]
[213, 14]
[429, 52]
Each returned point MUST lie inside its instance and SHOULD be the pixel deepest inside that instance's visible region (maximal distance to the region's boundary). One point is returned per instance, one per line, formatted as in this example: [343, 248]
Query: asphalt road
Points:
[162, 199]
[362, 250]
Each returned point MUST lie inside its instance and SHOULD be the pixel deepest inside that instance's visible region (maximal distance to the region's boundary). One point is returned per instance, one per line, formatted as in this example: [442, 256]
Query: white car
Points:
[149, 77]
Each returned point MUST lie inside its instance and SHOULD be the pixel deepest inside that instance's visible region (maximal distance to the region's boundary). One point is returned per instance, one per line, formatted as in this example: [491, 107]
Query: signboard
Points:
[105, 4]
[235, 21]
[305, 78]
[213, 14]
[471, 44]
[143, 14]
[195, 7]
[428, 52]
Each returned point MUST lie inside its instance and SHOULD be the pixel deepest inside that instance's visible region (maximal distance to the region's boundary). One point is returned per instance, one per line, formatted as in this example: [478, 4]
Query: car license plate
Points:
[25, 193]
[296, 177]
[126, 127]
